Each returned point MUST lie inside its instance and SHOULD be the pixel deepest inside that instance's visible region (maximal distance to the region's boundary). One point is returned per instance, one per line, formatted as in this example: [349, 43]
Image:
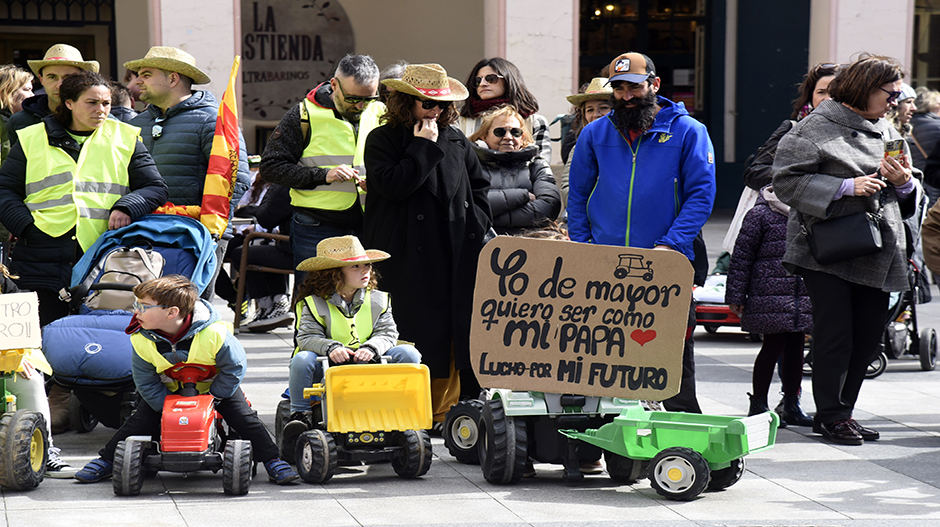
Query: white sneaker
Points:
[56, 467]
[270, 318]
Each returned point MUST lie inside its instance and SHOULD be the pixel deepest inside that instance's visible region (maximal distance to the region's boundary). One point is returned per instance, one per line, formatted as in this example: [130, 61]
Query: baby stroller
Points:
[902, 338]
[89, 351]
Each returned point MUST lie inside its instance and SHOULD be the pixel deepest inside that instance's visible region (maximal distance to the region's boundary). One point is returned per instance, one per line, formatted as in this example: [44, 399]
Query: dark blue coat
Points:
[181, 151]
[774, 301]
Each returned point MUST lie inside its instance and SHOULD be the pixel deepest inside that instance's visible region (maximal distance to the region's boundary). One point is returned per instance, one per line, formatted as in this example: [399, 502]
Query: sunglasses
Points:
[355, 100]
[142, 308]
[500, 132]
[490, 79]
[427, 104]
[157, 129]
[892, 95]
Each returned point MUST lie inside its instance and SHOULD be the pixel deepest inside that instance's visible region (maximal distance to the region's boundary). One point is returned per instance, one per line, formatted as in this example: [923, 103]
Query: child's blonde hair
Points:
[171, 290]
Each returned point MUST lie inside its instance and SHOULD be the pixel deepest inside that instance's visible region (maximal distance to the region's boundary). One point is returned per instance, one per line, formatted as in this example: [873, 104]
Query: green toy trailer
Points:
[23, 438]
[687, 453]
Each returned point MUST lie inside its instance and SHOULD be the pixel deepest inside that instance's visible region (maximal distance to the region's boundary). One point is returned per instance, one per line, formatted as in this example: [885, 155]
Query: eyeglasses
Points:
[357, 99]
[427, 104]
[142, 308]
[500, 132]
[490, 79]
[892, 95]
[157, 129]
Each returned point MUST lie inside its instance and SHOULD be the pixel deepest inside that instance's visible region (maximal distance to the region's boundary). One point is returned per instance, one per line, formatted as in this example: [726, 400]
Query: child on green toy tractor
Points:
[28, 385]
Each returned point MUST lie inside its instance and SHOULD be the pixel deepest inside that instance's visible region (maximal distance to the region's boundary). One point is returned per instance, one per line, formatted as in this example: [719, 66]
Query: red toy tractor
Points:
[192, 437]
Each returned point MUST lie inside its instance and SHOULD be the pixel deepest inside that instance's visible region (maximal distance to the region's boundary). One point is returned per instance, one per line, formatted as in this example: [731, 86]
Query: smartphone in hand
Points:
[894, 148]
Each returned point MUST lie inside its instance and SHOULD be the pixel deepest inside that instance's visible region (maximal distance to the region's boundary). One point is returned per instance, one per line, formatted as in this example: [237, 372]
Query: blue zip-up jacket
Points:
[658, 191]
[230, 361]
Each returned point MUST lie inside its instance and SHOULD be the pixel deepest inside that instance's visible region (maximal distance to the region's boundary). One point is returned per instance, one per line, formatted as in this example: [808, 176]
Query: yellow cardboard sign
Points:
[19, 321]
[565, 317]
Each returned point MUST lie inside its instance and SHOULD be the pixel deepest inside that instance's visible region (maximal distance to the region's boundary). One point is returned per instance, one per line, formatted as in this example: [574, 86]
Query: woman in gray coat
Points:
[832, 164]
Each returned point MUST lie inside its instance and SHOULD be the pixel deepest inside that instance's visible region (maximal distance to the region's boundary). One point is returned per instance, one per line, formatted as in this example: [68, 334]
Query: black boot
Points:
[791, 412]
[759, 406]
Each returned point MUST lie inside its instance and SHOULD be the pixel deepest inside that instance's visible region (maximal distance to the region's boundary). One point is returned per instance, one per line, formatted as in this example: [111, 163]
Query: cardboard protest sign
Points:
[565, 317]
[19, 321]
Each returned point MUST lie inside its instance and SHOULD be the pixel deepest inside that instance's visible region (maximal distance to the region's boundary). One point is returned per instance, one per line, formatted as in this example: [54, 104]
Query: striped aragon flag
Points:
[223, 162]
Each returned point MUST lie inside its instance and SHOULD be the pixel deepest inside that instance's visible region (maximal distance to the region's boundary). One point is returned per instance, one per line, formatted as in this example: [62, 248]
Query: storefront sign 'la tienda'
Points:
[564, 317]
[288, 47]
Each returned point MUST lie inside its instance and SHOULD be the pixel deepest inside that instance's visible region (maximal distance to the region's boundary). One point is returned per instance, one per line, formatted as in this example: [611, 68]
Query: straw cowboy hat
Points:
[62, 55]
[596, 91]
[428, 81]
[170, 59]
[340, 252]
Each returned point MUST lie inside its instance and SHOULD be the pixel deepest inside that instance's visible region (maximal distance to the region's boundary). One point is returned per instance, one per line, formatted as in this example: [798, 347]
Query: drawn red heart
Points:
[642, 337]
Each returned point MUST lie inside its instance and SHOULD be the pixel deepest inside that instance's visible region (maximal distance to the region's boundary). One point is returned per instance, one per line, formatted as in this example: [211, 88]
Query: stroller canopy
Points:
[159, 230]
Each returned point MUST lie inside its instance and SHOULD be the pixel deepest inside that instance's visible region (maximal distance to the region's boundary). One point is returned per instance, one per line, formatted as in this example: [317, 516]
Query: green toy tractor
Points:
[24, 442]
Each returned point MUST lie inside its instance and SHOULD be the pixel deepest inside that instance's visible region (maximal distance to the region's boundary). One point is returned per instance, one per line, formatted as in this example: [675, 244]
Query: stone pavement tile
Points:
[277, 509]
[120, 515]
[401, 511]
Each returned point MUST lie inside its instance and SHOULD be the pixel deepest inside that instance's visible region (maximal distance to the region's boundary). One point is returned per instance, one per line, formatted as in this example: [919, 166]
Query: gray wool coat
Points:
[828, 146]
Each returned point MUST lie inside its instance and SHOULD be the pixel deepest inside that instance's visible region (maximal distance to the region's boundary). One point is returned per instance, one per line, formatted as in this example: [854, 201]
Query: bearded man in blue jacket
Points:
[644, 176]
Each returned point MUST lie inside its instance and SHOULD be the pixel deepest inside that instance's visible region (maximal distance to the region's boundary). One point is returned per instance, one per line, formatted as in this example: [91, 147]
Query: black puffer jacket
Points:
[181, 151]
[44, 262]
[34, 110]
[513, 175]
[926, 129]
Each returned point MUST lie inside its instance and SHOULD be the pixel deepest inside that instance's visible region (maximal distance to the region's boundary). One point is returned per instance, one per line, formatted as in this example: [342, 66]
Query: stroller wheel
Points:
[80, 418]
[878, 366]
[927, 349]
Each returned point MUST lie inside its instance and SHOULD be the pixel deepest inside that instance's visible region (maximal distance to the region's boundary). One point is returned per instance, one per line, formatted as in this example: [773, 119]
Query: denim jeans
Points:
[306, 232]
[305, 370]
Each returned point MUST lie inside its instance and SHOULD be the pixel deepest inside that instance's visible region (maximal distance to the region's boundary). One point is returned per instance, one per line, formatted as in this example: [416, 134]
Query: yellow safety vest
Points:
[350, 332]
[203, 349]
[62, 193]
[332, 143]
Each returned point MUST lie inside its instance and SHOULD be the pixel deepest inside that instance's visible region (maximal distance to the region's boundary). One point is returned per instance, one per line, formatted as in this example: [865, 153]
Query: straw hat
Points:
[596, 91]
[62, 55]
[170, 59]
[340, 252]
[428, 81]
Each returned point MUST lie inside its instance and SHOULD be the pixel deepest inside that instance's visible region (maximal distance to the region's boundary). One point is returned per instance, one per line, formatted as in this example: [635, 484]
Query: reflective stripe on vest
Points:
[333, 143]
[62, 193]
[203, 349]
[350, 332]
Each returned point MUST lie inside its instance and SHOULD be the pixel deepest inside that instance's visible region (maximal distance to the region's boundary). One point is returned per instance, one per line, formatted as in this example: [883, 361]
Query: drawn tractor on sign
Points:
[632, 265]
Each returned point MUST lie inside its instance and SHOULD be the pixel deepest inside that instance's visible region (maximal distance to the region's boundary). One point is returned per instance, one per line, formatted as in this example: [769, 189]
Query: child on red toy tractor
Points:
[172, 325]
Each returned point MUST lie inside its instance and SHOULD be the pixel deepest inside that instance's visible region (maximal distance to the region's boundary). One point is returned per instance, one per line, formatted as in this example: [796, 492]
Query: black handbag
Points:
[844, 238]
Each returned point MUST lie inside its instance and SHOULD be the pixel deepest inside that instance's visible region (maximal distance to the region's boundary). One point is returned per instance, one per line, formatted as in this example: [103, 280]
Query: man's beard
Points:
[638, 116]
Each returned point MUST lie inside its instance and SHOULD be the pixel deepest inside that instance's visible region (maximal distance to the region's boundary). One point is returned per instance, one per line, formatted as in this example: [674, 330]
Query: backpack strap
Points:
[304, 122]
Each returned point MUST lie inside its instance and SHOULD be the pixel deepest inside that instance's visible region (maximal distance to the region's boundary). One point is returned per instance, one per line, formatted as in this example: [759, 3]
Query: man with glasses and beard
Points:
[177, 128]
[316, 151]
[644, 176]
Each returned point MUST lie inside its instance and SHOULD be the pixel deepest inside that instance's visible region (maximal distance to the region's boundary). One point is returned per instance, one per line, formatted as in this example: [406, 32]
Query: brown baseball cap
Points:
[631, 67]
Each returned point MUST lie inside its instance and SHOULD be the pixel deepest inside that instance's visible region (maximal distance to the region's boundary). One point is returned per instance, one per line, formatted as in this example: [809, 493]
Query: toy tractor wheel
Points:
[462, 431]
[623, 469]
[80, 417]
[679, 473]
[877, 366]
[724, 478]
[24, 449]
[414, 459]
[927, 349]
[237, 467]
[316, 456]
[128, 475]
[503, 444]
[281, 418]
